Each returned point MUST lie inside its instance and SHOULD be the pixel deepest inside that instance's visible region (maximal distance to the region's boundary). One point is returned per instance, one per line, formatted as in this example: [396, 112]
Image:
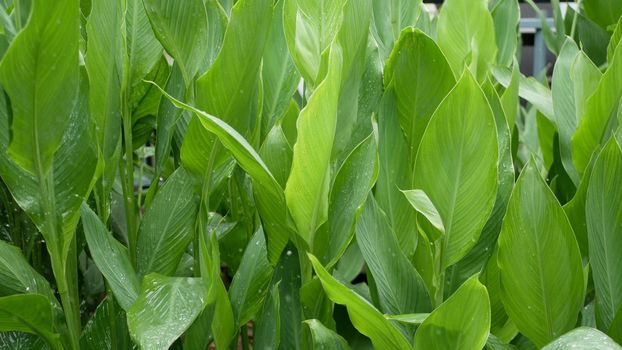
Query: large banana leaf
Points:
[105, 60]
[310, 28]
[390, 18]
[461, 322]
[111, 258]
[161, 300]
[31, 313]
[539, 260]
[583, 338]
[17, 277]
[351, 186]
[168, 226]
[421, 78]
[603, 210]
[400, 287]
[229, 89]
[40, 75]
[269, 196]
[307, 187]
[466, 34]
[143, 49]
[456, 166]
[251, 283]
[367, 319]
[181, 27]
[324, 338]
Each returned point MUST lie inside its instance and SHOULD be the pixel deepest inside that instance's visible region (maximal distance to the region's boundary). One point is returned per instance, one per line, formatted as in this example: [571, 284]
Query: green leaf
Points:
[279, 75]
[287, 273]
[143, 49]
[165, 308]
[422, 203]
[222, 324]
[367, 319]
[409, 318]
[603, 12]
[464, 186]
[105, 67]
[390, 18]
[530, 89]
[40, 74]
[310, 28]
[583, 338]
[250, 285]
[168, 226]
[97, 333]
[564, 104]
[277, 153]
[29, 313]
[466, 34]
[461, 322]
[604, 226]
[17, 276]
[267, 332]
[111, 258]
[167, 118]
[307, 187]
[600, 109]
[181, 27]
[506, 15]
[616, 327]
[269, 196]
[421, 77]
[353, 182]
[401, 289]
[539, 261]
[324, 338]
[229, 89]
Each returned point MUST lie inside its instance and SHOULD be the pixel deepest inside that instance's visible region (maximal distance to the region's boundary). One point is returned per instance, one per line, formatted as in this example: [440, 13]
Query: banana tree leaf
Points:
[40, 74]
[564, 104]
[542, 281]
[603, 12]
[351, 186]
[251, 283]
[423, 205]
[461, 322]
[390, 19]
[506, 15]
[30, 313]
[111, 258]
[583, 338]
[616, 327]
[307, 186]
[324, 338]
[475, 261]
[401, 289]
[287, 274]
[222, 323]
[22, 341]
[600, 109]
[105, 67]
[181, 27]
[367, 319]
[72, 180]
[277, 153]
[143, 49]
[18, 277]
[97, 333]
[167, 117]
[615, 40]
[394, 174]
[279, 75]
[604, 227]
[168, 226]
[310, 28]
[267, 332]
[530, 89]
[466, 34]
[463, 184]
[509, 98]
[421, 77]
[269, 196]
[217, 21]
[229, 89]
[161, 300]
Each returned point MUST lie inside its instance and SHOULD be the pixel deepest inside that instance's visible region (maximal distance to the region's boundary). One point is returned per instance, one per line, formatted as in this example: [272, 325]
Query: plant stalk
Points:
[127, 169]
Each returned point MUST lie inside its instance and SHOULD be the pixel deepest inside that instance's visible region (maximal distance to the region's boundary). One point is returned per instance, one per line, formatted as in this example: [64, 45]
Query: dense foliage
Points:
[308, 174]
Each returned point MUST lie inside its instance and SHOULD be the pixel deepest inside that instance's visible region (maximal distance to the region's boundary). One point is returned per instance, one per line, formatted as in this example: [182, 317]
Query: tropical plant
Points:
[308, 174]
